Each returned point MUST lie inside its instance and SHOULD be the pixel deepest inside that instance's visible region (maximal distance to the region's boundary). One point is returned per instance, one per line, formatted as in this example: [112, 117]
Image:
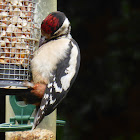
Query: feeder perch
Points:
[22, 120]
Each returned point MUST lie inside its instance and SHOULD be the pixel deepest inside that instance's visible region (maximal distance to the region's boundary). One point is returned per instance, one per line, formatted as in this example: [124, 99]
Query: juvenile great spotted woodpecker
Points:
[54, 65]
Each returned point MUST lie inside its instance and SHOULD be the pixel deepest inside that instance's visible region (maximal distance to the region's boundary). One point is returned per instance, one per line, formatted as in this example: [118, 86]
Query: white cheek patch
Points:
[70, 71]
[63, 29]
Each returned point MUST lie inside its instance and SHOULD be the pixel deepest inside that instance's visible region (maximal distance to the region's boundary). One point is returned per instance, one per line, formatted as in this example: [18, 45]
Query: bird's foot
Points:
[39, 90]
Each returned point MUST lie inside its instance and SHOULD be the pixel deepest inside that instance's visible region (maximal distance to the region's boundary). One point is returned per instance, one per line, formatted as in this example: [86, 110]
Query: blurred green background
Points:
[103, 103]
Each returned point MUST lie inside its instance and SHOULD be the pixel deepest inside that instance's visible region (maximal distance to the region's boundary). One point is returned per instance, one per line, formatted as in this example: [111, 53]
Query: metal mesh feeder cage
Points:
[18, 40]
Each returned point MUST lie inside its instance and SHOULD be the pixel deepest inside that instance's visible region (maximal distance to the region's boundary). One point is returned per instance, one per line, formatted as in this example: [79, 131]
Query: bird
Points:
[54, 66]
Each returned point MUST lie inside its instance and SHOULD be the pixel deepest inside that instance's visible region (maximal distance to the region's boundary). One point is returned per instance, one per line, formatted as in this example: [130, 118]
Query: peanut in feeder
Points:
[17, 39]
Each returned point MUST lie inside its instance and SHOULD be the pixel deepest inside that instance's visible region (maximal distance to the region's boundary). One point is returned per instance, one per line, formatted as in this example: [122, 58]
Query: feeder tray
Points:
[4, 127]
[11, 80]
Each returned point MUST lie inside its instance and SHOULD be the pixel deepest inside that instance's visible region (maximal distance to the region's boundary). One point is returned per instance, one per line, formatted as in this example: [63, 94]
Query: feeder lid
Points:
[13, 88]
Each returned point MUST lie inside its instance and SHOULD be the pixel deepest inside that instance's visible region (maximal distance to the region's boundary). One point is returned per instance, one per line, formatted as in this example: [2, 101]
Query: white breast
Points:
[46, 58]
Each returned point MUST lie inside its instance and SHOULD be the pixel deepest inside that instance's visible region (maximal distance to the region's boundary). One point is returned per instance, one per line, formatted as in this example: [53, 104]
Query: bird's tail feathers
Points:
[38, 119]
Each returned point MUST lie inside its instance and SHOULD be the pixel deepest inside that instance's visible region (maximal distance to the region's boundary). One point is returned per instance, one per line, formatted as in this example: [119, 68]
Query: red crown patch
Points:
[50, 24]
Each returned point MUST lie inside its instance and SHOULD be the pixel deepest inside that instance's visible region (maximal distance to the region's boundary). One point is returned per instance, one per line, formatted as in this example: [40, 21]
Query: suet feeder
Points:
[20, 22]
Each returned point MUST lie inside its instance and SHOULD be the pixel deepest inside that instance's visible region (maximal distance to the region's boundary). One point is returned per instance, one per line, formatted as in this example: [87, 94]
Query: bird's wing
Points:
[61, 80]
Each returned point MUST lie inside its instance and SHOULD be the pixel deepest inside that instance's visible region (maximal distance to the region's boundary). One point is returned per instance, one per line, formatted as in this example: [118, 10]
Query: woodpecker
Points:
[55, 64]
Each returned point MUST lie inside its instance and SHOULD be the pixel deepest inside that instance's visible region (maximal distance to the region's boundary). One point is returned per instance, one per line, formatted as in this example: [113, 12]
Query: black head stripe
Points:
[61, 16]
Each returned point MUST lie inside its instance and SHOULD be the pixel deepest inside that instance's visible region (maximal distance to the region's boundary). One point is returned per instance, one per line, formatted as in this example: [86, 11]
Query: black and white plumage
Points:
[55, 63]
